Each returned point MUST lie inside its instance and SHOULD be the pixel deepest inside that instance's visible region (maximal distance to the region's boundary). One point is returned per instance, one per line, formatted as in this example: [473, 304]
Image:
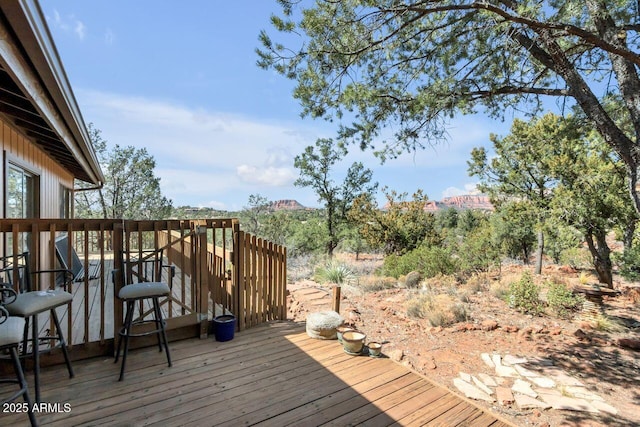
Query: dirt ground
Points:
[595, 357]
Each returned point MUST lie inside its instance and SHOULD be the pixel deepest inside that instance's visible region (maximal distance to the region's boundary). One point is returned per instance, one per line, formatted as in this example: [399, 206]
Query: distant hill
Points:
[285, 205]
[480, 202]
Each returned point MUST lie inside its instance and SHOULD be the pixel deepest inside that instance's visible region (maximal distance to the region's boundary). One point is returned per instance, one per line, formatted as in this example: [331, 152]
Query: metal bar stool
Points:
[139, 292]
[11, 330]
[30, 303]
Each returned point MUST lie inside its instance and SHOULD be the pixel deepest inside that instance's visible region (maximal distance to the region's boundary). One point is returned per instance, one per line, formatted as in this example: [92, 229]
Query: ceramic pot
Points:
[353, 341]
[375, 349]
[341, 330]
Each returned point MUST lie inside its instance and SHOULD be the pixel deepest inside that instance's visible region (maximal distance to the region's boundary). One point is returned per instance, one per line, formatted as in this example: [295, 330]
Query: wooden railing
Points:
[213, 268]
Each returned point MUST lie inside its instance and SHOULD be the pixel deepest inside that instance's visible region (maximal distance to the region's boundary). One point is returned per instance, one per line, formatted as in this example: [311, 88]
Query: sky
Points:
[180, 79]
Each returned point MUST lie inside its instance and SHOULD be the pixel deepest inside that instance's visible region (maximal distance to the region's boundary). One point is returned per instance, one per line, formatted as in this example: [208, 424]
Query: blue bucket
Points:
[224, 327]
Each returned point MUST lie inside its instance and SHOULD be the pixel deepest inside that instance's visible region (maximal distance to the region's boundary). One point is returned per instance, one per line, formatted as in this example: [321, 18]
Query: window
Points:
[21, 201]
[65, 202]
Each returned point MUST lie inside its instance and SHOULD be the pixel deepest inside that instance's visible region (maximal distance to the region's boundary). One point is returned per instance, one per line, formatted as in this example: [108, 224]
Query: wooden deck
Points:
[272, 375]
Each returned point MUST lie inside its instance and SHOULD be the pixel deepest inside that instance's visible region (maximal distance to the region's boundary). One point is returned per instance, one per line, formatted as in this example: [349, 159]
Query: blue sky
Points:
[179, 78]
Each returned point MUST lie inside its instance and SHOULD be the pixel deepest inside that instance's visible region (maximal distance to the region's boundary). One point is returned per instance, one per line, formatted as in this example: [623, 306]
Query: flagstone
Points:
[545, 382]
[471, 391]
[487, 360]
[525, 372]
[582, 393]
[488, 380]
[604, 407]
[504, 396]
[523, 387]
[528, 402]
[513, 360]
[496, 360]
[506, 371]
[568, 403]
[466, 377]
[481, 385]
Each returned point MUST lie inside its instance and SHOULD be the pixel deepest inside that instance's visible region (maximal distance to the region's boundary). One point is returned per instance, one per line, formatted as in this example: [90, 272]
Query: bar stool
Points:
[132, 294]
[11, 330]
[29, 304]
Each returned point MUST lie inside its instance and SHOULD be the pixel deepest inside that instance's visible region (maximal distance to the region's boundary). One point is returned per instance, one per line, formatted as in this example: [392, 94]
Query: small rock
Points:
[489, 325]
[510, 328]
[396, 354]
[579, 333]
[555, 331]
[633, 344]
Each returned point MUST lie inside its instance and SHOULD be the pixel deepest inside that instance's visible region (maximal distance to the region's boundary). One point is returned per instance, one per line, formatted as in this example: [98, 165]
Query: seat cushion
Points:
[144, 290]
[30, 303]
[11, 331]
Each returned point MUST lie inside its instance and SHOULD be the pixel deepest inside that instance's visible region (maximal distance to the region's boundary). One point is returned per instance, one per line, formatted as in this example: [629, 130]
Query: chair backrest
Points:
[62, 252]
[143, 266]
[15, 269]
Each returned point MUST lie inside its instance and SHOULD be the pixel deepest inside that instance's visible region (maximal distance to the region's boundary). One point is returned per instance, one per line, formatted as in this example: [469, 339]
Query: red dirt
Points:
[592, 356]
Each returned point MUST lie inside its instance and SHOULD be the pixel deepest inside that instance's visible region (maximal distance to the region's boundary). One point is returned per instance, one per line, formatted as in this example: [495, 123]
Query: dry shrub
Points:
[439, 309]
[441, 281]
[376, 283]
[479, 282]
[633, 294]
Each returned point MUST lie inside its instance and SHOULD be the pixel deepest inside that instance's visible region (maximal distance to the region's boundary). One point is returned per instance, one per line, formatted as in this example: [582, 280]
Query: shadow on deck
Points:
[269, 375]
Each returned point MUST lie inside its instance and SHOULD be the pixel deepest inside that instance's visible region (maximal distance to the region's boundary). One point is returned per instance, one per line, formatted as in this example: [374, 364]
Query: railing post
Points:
[202, 282]
[118, 280]
[238, 277]
[336, 299]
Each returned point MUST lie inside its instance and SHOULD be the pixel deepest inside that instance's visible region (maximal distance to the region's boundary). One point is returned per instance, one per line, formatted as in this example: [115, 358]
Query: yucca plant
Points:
[334, 272]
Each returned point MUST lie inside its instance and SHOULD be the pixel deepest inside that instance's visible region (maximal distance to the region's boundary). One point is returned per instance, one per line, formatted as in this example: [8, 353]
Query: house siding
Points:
[51, 175]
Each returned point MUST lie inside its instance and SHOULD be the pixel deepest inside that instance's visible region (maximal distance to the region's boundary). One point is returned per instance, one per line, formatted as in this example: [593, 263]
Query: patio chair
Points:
[11, 330]
[30, 303]
[134, 294]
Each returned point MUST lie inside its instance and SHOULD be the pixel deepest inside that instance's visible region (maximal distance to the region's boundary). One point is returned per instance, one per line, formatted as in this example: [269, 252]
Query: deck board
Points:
[270, 375]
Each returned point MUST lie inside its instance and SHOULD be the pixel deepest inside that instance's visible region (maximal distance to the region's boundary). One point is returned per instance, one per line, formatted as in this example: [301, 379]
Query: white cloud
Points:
[109, 37]
[269, 176]
[68, 24]
[469, 188]
[200, 155]
[80, 30]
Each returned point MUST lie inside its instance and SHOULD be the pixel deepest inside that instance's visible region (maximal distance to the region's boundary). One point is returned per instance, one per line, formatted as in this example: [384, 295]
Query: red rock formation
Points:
[480, 202]
[288, 205]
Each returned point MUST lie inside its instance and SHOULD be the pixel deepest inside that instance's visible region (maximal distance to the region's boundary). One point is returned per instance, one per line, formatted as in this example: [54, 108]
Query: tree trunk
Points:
[628, 232]
[601, 257]
[539, 252]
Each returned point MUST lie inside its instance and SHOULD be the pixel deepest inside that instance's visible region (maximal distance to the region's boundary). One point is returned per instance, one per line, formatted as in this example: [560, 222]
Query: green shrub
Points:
[629, 263]
[478, 252]
[576, 258]
[524, 295]
[429, 261]
[562, 301]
